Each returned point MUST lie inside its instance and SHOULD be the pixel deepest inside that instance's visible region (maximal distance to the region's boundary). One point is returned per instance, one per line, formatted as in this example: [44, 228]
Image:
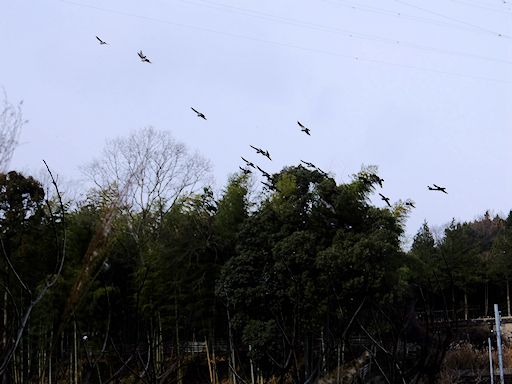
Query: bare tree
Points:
[139, 177]
[11, 122]
[159, 168]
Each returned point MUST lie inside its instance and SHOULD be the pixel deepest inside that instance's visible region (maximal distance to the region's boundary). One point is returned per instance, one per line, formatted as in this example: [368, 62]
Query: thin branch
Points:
[125, 363]
[4, 252]
[236, 374]
[50, 281]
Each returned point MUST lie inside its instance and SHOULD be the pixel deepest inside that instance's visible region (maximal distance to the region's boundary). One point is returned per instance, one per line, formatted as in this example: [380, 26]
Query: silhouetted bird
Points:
[410, 204]
[386, 199]
[304, 129]
[199, 114]
[322, 172]
[245, 170]
[248, 163]
[143, 57]
[266, 174]
[258, 150]
[261, 151]
[101, 41]
[437, 188]
[311, 165]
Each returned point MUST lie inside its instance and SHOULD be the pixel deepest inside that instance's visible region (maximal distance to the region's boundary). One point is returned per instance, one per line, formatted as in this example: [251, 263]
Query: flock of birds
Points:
[269, 184]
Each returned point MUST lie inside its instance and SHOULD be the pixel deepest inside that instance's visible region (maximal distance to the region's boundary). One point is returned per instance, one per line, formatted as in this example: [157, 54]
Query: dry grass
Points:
[465, 359]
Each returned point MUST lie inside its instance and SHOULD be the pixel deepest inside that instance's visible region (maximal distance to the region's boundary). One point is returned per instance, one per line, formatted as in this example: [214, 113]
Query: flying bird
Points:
[245, 170]
[261, 151]
[410, 204]
[308, 164]
[303, 128]
[248, 163]
[199, 114]
[258, 150]
[322, 172]
[437, 188]
[386, 199]
[266, 174]
[143, 57]
[101, 41]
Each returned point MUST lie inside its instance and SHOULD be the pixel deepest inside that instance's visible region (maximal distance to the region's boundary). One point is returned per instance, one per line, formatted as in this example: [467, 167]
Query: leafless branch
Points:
[50, 281]
[11, 122]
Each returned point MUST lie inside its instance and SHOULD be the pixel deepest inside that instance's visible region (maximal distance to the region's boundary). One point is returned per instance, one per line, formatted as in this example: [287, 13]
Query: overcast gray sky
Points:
[422, 89]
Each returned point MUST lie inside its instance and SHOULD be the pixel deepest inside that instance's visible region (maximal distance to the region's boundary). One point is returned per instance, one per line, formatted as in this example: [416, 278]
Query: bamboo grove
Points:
[152, 278]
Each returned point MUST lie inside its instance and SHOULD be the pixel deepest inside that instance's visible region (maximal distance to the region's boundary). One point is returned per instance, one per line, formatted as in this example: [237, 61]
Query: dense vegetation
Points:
[306, 280]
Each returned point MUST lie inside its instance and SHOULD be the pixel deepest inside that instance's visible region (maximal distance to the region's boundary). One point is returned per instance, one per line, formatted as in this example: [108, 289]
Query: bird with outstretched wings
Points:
[199, 114]
[143, 57]
[304, 129]
[437, 188]
[248, 163]
[386, 199]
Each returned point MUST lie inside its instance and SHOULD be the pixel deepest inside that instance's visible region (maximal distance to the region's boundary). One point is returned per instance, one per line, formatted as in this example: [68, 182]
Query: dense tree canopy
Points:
[279, 287]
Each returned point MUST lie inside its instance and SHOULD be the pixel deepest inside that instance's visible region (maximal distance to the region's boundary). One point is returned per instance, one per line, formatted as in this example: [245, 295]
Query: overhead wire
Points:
[423, 9]
[281, 44]
[481, 6]
[405, 16]
[340, 31]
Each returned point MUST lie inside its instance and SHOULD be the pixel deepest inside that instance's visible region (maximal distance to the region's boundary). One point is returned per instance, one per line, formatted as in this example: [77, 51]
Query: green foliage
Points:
[314, 260]
[312, 251]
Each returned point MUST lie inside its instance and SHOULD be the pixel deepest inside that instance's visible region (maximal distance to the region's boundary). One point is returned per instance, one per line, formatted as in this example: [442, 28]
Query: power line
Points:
[452, 19]
[485, 7]
[387, 12]
[492, 3]
[287, 45]
[344, 32]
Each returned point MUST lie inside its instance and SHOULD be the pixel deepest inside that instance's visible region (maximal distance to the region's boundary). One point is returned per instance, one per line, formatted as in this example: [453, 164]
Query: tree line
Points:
[305, 281]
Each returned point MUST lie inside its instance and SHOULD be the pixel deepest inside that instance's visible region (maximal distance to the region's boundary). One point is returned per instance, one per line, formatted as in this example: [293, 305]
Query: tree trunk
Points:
[160, 345]
[338, 364]
[50, 358]
[180, 379]
[75, 355]
[486, 299]
[307, 360]
[466, 310]
[454, 314]
[508, 299]
[3, 346]
[22, 360]
[252, 365]
[231, 350]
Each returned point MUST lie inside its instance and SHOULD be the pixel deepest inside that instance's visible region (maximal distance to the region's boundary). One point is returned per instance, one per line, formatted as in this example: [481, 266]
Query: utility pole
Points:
[491, 369]
[497, 316]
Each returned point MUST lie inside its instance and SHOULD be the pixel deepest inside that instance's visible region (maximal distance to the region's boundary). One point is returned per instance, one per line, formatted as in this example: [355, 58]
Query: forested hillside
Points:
[154, 278]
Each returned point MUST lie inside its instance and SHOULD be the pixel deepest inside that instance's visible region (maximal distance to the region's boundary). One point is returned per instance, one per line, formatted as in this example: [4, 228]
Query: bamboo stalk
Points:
[75, 355]
[208, 359]
[252, 365]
